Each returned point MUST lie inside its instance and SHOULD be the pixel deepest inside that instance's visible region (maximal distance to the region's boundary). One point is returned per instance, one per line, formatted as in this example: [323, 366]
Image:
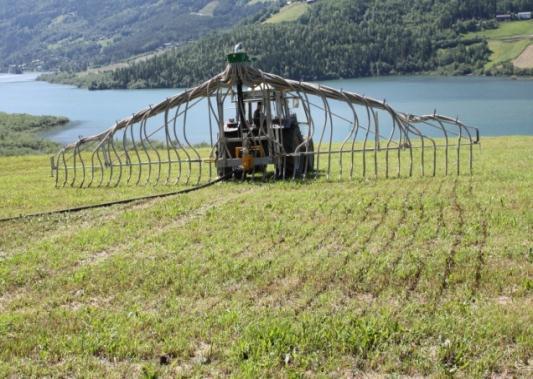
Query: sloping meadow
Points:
[416, 276]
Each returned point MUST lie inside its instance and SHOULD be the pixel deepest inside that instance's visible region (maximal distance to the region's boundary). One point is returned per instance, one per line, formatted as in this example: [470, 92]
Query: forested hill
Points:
[70, 34]
[337, 39]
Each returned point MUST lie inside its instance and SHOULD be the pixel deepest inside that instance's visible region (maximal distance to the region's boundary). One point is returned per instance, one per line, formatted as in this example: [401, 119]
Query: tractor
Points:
[265, 131]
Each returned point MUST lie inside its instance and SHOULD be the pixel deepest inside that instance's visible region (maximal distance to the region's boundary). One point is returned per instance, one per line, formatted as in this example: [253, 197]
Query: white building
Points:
[523, 15]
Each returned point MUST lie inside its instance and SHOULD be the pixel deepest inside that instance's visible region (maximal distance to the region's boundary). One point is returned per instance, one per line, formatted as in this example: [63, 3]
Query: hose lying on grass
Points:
[111, 203]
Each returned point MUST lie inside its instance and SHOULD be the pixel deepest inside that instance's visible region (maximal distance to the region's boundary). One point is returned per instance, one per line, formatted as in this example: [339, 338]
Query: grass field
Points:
[288, 13]
[209, 9]
[503, 51]
[507, 29]
[412, 276]
[508, 41]
[525, 60]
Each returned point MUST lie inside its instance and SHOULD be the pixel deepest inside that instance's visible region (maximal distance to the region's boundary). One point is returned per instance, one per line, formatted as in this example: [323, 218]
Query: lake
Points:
[497, 106]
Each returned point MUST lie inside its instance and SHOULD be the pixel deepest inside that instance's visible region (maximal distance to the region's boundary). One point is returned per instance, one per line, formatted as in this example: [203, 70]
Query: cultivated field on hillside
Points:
[413, 276]
[288, 13]
[508, 41]
[525, 60]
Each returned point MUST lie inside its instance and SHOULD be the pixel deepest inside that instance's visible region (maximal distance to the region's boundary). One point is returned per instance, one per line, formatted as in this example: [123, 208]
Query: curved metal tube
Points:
[107, 157]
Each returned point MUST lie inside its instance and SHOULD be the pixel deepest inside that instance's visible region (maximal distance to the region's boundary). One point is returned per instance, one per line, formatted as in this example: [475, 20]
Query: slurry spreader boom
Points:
[251, 123]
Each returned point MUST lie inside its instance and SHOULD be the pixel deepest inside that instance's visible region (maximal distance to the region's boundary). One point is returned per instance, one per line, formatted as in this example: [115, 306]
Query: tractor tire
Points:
[309, 160]
[295, 166]
[224, 172]
[229, 172]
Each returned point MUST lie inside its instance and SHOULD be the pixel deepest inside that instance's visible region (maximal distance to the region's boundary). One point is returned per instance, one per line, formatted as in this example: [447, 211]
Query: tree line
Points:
[336, 39]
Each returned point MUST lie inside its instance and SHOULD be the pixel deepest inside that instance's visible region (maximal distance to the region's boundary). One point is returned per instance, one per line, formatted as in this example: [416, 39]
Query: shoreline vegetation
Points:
[408, 39]
[87, 81]
[20, 134]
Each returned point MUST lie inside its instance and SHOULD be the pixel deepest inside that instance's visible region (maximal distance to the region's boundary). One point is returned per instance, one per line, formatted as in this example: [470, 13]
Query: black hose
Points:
[118, 202]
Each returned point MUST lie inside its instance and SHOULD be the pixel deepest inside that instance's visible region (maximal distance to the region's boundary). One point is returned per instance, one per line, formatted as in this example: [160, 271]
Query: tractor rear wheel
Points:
[295, 166]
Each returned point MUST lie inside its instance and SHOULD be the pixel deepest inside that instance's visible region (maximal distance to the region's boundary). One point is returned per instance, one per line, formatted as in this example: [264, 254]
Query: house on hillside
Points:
[503, 17]
[524, 15]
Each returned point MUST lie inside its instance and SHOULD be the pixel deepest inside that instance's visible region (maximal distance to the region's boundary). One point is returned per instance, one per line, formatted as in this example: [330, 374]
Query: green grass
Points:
[288, 13]
[506, 42]
[503, 51]
[506, 30]
[411, 276]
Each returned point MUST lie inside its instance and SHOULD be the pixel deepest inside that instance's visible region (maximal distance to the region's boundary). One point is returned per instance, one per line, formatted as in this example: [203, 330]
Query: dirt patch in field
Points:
[525, 60]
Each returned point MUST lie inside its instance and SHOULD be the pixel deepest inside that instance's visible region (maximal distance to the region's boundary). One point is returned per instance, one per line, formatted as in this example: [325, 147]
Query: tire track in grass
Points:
[458, 238]
[327, 282]
[422, 263]
[203, 210]
[185, 219]
[348, 256]
[394, 230]
[80, 221]
[269, 248]
[375, 228]
[225, 294]
[197, 213]
[409, 240]
[481, 244]
[369, 238]
[317, 245]
[61, 224]
[331, 277]
[97, 257]
[392, 233]
[245, 247]
[480, 261]
[351, 290]
[307, 234]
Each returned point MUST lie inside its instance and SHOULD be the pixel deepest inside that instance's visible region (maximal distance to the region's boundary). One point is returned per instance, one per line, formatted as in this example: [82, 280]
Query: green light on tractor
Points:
[240, 57]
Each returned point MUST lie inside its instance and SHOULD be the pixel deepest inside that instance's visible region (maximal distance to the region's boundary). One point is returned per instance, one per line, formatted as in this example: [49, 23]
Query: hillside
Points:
[415, 277]
[507, 43]
[52, 34]
[331, 40]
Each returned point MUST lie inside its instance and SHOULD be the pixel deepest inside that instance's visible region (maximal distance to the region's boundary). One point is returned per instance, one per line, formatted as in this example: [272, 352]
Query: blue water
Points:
[497, 106]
